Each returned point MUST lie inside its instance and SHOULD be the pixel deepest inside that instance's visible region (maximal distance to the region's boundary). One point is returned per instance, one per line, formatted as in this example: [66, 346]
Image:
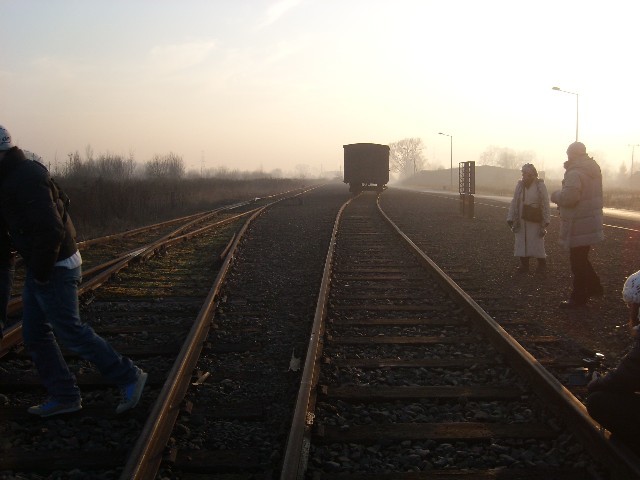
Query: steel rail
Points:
[176, 234]
[135, 231]
[624, 463]
[144, 461]
[297, 449]
[197, 218]
[15, 304]
[13, 335]
[149, 251]
[146, 456]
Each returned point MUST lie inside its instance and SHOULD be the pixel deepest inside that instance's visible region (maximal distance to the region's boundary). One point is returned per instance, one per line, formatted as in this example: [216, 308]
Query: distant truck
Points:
[366, 166]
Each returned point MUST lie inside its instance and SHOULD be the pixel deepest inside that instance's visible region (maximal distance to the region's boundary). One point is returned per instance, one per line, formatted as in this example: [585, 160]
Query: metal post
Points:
[451, 159]
[577, 96]
[577, 106]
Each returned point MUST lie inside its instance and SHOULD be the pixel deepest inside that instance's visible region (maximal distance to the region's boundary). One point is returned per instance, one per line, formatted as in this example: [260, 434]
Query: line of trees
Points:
[117, 167]
[111, 193]
[505, 157]
[109, 166]
[165, 166]
[406, 157]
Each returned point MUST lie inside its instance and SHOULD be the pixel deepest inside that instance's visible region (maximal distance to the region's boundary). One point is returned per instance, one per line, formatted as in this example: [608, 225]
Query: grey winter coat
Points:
[529, 236]
[580, 203]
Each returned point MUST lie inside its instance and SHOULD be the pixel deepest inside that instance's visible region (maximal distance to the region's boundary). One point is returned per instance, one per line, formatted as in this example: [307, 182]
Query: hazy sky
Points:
[258, 84]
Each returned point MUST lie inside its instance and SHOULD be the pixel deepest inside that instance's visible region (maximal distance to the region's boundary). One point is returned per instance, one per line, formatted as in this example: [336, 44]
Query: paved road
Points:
[611, 212]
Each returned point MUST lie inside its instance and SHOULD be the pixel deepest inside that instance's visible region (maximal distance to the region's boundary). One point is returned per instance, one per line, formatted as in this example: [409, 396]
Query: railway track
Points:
[570, 344]
[403, 381]
[106, 256]
[407, 377]
[147, 313]
[235, 421]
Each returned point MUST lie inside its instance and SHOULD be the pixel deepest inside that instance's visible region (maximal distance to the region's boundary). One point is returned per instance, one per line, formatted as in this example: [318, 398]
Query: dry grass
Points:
[100, 206]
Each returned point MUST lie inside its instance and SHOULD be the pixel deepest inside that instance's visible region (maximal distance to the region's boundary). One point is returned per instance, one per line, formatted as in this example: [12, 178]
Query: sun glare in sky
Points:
[276, 84]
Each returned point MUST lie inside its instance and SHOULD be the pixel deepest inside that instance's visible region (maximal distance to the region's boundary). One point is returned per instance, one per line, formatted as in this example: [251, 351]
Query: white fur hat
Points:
[631, 289]
[5, 139]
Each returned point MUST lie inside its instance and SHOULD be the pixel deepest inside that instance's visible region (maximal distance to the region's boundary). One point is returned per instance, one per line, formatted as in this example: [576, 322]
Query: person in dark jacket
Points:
[34, 222]
[614, 399]
[580, 203]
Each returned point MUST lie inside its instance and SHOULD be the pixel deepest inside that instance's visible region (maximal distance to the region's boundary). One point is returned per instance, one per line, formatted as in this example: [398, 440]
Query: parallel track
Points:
[405, 376]
[406, 372]
[147, 313]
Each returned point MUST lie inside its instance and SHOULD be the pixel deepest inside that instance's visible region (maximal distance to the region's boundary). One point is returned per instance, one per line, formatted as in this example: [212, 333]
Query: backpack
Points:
[59, 196]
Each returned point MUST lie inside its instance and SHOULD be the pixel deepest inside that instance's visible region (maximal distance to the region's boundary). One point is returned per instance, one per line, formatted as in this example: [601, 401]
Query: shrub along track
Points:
[146, 312]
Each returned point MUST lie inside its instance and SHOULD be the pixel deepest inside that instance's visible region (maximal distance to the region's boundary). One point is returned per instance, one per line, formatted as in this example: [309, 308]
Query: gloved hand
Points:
[542, 232]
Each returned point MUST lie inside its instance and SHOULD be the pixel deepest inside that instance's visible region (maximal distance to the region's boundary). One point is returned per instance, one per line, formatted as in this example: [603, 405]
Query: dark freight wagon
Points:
[366, 166]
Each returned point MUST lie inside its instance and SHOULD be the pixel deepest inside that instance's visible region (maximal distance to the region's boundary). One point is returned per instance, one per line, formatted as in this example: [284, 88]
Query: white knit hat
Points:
[631, 289]
[5, 139]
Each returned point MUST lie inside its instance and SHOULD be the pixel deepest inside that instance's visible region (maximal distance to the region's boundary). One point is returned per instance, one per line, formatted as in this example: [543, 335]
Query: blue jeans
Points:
[52, 308]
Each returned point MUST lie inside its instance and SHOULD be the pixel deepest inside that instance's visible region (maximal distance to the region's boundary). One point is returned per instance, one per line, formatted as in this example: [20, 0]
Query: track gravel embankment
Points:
[481, 249]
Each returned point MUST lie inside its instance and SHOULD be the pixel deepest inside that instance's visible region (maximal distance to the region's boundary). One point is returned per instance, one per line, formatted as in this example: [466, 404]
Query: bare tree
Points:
[505, 157]
[489, 156]
[166, 166]
[115, 167]
[623, 173]
[406, 157]
[88, 153]
[75, 167]
[302, 170]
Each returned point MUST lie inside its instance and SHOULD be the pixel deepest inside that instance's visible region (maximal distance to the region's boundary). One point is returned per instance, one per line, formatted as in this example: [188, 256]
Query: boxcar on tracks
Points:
[366, 166]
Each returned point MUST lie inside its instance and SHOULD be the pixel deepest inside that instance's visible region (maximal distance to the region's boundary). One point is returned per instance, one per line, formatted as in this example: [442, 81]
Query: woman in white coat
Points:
[530, 195]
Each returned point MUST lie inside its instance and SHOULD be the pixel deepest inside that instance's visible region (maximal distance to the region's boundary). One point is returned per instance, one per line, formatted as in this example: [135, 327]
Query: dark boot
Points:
[542, 266]
[524, 265]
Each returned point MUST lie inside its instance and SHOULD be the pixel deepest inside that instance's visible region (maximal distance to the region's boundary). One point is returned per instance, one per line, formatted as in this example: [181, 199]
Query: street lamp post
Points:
[450, 154]
[633, 147]
[572, 93]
